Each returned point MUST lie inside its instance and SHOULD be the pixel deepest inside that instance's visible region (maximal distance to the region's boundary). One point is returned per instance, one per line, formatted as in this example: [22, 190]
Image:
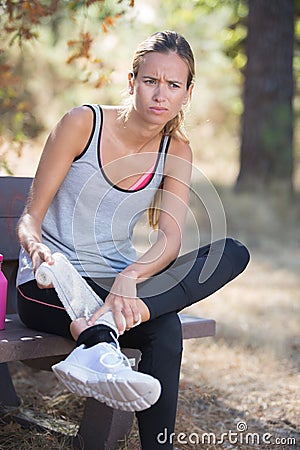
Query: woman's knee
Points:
[238, 254]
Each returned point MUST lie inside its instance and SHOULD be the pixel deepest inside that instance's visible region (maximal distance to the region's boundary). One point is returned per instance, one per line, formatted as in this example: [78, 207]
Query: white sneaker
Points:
[104, 373]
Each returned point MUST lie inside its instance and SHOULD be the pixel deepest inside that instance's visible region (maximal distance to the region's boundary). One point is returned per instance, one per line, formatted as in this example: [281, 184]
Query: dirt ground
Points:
[239, 389]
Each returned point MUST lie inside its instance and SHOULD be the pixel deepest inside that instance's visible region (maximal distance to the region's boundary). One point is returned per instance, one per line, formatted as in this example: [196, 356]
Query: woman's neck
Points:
[137, 132]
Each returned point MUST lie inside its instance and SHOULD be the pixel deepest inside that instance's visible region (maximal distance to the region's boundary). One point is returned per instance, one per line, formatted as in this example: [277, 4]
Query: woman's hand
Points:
[40, 253]
[123, 303]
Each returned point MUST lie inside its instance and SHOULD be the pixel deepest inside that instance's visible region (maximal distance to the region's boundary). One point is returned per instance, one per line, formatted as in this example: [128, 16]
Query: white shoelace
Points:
[115, 352]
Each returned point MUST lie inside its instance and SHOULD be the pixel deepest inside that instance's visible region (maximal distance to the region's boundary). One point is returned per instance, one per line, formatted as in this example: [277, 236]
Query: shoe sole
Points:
[107, 389]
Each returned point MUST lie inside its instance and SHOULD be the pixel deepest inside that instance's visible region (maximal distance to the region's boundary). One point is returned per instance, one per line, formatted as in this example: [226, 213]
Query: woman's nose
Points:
[159, 93]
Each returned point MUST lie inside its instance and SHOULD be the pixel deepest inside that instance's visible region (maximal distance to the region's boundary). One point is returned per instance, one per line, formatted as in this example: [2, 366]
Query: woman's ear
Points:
[130, 82]
[189, 94]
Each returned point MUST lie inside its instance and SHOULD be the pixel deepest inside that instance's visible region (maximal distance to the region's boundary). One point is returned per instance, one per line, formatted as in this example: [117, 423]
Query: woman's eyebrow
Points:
[149, 77]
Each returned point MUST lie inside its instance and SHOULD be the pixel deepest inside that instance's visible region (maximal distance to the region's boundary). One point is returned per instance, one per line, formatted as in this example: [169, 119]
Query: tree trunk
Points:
[267, 121]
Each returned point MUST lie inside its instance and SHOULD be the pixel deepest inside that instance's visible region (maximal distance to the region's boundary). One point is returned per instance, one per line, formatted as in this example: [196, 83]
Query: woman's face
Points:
[159, 88]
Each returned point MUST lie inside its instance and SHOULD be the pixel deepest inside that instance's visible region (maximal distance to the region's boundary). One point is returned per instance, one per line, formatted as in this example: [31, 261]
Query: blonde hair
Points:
[165, 42]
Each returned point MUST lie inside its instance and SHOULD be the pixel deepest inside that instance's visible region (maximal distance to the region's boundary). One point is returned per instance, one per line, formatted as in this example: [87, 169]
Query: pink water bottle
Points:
[3, 293]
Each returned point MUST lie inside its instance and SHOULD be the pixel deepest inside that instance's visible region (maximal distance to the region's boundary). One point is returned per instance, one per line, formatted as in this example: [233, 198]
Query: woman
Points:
[100, 170]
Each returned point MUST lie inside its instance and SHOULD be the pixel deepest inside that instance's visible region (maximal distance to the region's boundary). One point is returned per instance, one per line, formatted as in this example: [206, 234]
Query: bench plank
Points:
[197, 327]
[18, 342]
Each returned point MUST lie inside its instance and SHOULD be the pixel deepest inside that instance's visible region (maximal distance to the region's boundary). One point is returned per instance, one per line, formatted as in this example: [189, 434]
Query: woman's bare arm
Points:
[171, 220]
[65, 142]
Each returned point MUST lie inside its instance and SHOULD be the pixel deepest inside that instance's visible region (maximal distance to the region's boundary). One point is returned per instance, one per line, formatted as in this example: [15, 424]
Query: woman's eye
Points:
[150, 81]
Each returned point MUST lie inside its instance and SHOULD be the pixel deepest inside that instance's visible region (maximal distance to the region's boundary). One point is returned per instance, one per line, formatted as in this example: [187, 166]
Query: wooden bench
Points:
[41, 350]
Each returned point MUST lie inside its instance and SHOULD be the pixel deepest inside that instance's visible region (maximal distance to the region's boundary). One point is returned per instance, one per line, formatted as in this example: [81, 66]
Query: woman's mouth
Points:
[158, 109]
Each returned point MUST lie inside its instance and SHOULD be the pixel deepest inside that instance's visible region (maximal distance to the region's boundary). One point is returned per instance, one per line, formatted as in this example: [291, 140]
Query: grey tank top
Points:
[90, 220]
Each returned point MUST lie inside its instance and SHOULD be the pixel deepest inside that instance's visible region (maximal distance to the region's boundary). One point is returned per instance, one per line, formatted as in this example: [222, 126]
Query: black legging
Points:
[160, 339]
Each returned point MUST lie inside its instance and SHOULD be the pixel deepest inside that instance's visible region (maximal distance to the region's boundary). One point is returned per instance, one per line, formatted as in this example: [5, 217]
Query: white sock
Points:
[108, 320]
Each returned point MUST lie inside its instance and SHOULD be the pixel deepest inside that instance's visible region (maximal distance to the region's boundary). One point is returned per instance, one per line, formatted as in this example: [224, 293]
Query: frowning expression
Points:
[160, 87]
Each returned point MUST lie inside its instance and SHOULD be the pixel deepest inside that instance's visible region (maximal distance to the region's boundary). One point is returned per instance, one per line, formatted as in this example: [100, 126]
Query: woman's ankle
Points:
[78, 326]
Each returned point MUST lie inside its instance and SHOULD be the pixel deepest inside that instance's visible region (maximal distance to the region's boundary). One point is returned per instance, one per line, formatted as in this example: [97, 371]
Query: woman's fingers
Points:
[131, 313]
[128, 315]
[97, 314]
[117, 313]
[122, 308]
[41, 253]
[119, 320]
[136, 313]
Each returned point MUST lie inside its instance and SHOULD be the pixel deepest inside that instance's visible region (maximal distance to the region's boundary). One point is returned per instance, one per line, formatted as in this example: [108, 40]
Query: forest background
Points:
[56, 55]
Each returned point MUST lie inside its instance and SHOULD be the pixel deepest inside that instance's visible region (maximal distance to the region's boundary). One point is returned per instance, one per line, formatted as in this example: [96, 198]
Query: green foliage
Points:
[5, 166]
[23, 26]
[232, 35]
[297, 51]
[78, 51]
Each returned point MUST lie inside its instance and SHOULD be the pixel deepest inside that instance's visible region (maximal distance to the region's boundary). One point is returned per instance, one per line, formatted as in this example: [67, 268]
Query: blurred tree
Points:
[266, 156]
[259, 39]
[21, 23]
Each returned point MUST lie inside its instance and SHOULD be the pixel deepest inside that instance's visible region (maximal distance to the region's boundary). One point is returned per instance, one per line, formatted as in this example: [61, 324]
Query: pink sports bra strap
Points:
[143, 180]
